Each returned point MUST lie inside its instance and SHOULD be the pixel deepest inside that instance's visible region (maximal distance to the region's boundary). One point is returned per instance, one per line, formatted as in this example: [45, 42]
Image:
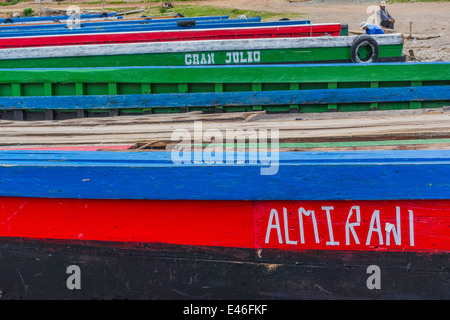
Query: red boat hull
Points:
[281, 225]
[183, 35]
[122, 249]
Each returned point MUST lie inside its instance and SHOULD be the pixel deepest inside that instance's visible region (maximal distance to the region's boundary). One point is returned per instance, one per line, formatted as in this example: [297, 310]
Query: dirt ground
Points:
[428, 19]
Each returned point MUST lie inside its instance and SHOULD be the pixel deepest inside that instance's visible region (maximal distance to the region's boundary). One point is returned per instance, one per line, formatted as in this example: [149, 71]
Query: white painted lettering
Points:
[250, 56]
[330, 227]
[396, 232]
[195, 59]
[188, 59]
[203, 59]
[286, 228]
[236, 57]
[228, 59]
[349, 227]
[411, 228]
[211, 58]
[375, 218]
[270, 226]
[242, 57]
[256, 56]
[301, 212]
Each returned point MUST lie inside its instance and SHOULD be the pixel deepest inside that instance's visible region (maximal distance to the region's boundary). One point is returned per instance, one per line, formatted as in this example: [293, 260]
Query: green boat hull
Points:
[247, 88]
[310, 55]
[208, 52]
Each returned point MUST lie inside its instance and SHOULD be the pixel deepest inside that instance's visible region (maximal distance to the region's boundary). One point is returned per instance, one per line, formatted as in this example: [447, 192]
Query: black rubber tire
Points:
[284, 19]
[363, 40]
[9, 20]
[179, 15]
[186, 23]
[103, 15]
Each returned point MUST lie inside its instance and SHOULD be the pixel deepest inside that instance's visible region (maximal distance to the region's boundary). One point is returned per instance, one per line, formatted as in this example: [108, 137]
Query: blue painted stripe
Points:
[149, 27]
[247, 98]
[373, 175]
[112, 23]
[121, 24]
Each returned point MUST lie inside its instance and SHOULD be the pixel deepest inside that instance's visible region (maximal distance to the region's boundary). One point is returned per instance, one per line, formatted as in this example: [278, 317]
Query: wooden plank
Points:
[128, 134]
[132, 120]
[366, 121]
[408, 174]
[312, 128]
[252, 98]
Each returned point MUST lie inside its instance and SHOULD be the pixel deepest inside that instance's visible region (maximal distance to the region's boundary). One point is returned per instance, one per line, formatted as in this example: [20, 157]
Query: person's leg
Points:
[385, 24]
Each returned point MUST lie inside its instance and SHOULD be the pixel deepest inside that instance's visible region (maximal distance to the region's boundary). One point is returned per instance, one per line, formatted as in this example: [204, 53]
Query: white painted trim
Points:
[190, 46]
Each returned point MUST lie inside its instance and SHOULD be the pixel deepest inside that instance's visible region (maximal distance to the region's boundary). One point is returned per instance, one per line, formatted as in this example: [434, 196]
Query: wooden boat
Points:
[220, 52]
[127, 25]
[99, 21]
[138, 226]
[154, 26]
[274, 88]
[280, 31]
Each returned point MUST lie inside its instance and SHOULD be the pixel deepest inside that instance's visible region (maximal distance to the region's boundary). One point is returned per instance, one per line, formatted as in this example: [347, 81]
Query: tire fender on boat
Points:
[364, 40]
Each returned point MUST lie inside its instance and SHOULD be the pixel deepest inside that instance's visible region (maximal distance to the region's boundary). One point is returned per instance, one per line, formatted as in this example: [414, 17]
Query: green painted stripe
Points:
[236, 74]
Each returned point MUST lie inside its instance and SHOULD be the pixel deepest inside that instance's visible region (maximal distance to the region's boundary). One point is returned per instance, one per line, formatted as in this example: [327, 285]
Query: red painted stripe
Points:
[179, 222]
[425, 225]
[183, 35]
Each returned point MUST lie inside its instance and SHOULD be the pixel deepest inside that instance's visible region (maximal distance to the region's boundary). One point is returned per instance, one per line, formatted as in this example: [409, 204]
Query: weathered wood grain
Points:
[212, 99]
[361, 175]
[173, 272]
[329, 128]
